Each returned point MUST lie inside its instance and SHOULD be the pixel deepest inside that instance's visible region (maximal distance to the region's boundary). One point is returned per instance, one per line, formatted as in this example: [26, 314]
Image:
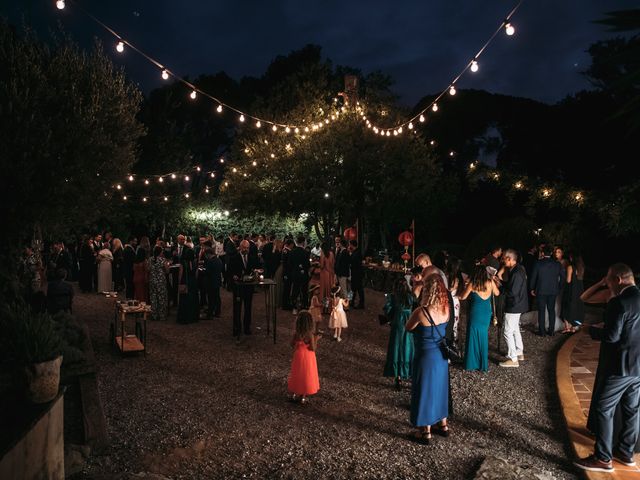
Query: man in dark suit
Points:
[212, 281]
[618, 371]
[546, 278]
[357, 274]
[299, 263]
[286, 274]
[240, 265]
[267, 258]
[230, 246]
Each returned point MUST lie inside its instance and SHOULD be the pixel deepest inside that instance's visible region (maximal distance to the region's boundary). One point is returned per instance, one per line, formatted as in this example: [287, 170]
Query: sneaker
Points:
[623, 459]
[509, 364]
[520, 358]
[339, 339]
[593, 464]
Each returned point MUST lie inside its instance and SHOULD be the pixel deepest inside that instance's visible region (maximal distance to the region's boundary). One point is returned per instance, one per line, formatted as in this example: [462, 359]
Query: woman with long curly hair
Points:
[430, 375]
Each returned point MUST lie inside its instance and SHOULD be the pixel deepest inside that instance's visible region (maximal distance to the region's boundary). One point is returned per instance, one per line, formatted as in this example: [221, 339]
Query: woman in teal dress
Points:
[188, 309]
[479, 291]
[400, 350]
[430, 371]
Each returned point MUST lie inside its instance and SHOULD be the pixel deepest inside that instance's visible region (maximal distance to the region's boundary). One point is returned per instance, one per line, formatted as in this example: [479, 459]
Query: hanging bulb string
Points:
[503, 24]
[180, 79]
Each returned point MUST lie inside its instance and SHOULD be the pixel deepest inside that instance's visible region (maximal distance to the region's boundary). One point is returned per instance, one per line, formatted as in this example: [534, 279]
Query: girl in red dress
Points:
[303, 379]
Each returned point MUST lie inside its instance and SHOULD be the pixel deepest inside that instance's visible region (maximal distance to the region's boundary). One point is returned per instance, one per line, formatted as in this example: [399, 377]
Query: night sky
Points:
[422, 45]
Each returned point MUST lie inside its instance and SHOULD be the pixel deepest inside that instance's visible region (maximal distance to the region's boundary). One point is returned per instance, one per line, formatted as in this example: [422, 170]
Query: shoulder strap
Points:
[426, 312]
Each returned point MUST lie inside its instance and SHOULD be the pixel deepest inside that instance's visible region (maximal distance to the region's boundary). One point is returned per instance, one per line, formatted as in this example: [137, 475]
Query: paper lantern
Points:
[351, 234]
[406, 256]
[405, 239]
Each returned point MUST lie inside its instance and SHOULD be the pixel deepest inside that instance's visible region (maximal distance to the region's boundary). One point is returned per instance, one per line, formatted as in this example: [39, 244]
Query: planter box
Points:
[32, 446]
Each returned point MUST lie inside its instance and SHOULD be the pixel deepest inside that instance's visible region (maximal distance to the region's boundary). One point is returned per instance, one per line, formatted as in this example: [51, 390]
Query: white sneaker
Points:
[520, 358]
[509, 364]
[339, 339]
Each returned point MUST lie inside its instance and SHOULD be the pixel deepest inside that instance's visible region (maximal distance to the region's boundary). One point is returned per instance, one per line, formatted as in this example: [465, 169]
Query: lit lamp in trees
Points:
[406, 240]
[350, 233]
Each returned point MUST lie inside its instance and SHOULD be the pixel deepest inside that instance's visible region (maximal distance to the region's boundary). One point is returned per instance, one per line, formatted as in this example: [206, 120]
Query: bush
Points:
[28, 337]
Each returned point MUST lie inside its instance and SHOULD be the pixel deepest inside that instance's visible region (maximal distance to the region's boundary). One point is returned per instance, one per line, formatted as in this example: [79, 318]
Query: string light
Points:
[258, 124]
[422, 119]
[219, 109]
[131, 178]
[124, 197]
[222, 160]
[206, 190]
[234, 170]
[198, 168]
[288, 130]
[546, 192]
[119, 187]
[166, 199]
[509, 29]
[146, 181]
[161, 180]
[242, 118]
[173, 176]
[326, 195]
[274, 128]
[432, 142]
[193, 94]
[120, 47]
[518, 185]
[434, 107]
[60, 5]
[578, 197]
[187, 178]
[186, 195]
[213, 175]
[144, 199]
[254, 163]
[165, 75]
[452, 90]
[474, 66]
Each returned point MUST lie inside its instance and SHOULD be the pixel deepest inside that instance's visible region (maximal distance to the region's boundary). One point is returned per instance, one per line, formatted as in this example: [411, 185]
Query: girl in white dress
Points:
[338, 319]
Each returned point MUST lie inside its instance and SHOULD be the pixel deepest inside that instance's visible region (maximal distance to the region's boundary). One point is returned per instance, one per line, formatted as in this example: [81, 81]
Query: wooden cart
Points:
[136, 340]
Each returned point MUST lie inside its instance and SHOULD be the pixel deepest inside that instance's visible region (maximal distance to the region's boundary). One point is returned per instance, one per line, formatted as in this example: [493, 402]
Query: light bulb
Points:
[258, 124]
[242, 118]
[244, 174]
[254, 163]
[124, 197]
[146, 181]
[119, 187]
[410, 126]
[206, 190]
[193, 95]
[198, 168]
[186, 178]
[144, 199]
[161, 179]
[432, 142]
[131, 178]
[234, 170]
[166, 199]
[186, 195]
[213, 175]
[273, 155]
[388, 133]
[472, 166]
[306, 129]
[222, 160]
[274, 128]
[474, 66]
[400, 130]
[422, 119]
[219, 109]
[287, 130]
[297, 130]
[452, 90]
[120, 47]
[509, 29]
[452, 153]
[226, 212]
[326, 195]
[60, 5]
[173, 176]
[435, 107]
[226, 184]
[165, 75]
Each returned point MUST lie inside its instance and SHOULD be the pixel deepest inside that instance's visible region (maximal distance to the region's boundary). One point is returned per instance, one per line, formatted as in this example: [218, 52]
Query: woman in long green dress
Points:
[400, 350]
[188, 309]
[479, 291]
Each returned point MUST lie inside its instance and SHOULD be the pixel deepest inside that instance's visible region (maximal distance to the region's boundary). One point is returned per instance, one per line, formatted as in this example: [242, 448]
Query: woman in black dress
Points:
[572, 307]
[87, 261]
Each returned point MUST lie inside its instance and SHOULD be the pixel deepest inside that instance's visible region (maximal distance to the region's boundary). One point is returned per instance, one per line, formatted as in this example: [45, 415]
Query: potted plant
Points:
[32, 344]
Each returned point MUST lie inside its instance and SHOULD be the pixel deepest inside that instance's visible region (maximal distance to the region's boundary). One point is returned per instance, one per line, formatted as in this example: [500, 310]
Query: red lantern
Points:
[351, 234]
[406, 256]
[405, 239]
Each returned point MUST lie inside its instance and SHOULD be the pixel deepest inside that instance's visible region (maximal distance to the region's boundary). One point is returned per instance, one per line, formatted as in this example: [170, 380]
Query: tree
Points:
[69, 131]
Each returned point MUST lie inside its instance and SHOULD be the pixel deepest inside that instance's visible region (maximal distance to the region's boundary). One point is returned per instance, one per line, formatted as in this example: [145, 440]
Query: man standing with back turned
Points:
[618, 371]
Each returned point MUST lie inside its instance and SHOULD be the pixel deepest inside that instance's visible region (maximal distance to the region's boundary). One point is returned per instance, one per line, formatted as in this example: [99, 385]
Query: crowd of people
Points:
[423, 308]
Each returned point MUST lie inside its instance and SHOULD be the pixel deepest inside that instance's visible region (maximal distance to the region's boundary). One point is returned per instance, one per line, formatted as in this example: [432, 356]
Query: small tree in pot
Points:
[31, 343]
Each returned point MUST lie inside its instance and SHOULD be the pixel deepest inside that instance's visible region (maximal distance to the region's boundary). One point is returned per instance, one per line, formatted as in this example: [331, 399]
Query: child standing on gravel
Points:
[338, 319]
[316, 307]
[303, 379]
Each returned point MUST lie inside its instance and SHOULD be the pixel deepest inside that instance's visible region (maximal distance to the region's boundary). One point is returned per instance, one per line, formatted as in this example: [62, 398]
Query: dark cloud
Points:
[421, 44]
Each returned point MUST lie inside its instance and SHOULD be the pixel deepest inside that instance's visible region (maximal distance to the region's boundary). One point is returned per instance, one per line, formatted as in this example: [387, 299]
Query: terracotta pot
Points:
[43, 380]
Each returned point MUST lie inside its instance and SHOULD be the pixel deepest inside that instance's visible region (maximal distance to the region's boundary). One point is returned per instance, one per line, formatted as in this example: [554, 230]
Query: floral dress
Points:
[158, 289]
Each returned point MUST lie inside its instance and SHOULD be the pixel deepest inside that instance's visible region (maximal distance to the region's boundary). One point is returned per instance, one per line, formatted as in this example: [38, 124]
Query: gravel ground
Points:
[198, 406]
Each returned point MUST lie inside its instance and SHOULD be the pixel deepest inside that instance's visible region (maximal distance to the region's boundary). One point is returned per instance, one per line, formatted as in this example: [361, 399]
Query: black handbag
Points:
[449, 350]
